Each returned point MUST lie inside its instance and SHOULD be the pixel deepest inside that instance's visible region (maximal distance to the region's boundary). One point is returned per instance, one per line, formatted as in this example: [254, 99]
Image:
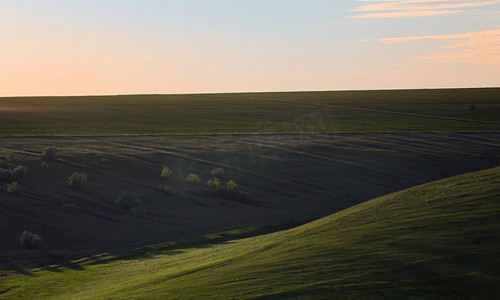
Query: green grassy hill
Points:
[439, 240]
[354, 111]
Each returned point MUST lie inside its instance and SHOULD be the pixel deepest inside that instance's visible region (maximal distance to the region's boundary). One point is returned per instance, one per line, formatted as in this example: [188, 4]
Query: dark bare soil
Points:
[288, 177]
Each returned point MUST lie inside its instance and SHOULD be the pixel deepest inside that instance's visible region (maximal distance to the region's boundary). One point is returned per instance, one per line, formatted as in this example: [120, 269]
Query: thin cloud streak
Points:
[416, 8]
[482, 47]
[406, 14]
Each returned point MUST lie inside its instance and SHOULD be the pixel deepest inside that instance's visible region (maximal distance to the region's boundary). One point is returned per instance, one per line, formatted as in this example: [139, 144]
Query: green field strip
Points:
[446, 110]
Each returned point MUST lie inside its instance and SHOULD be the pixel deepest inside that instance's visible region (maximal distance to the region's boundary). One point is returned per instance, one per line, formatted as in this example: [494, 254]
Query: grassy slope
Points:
[239, 113]
[439, 240]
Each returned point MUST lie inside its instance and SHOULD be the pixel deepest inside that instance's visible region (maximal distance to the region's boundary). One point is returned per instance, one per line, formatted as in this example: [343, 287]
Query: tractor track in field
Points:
[357, 108]
[179, 154]
[282, 149]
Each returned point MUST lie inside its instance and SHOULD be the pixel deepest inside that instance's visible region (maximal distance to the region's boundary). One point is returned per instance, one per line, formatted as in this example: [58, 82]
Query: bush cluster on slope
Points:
[138, 211]
[20, 171]
[132, 202]
[14, 188]
[77, 180]
[166, 172]
[164, 188]
[128, 200]
[229, 191]
[6, 175]
[10, 175]
[9, 156]
[49, 154]
[218, 172]
[193, 178]
[30, 240]
[214, 186]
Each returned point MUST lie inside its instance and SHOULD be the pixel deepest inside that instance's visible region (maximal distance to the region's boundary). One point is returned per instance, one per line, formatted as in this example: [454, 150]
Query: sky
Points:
[96, 47]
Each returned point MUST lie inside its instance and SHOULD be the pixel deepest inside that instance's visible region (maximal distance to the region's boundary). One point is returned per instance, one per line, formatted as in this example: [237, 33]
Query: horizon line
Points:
[251, 92]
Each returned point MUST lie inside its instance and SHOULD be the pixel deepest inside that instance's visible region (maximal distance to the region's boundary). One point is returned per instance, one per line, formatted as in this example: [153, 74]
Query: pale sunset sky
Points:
[93, 47]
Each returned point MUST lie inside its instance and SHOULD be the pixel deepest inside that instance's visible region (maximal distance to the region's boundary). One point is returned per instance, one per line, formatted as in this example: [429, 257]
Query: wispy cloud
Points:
[470, 47]
[415, 8]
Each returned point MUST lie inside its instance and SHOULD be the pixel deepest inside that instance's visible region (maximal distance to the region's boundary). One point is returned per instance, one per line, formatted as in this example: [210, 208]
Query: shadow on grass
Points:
[71, 266]
[168, 248]
[207, 241]
[14, 269]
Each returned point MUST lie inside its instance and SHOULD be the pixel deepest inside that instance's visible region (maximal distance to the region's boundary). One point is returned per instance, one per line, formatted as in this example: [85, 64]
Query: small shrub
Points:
[20, 171]
[77, 180]
[14, 188]
[166, 172]
[218, 172]
[128, 200]
[44, 164]
[138, 211]
[9, 156]
[6, 175]
[193, 178]
[231, 186]
[104, 160]
[232, 192]
[214, 186]
[30, 240]
[164, 188]
[49, 154]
